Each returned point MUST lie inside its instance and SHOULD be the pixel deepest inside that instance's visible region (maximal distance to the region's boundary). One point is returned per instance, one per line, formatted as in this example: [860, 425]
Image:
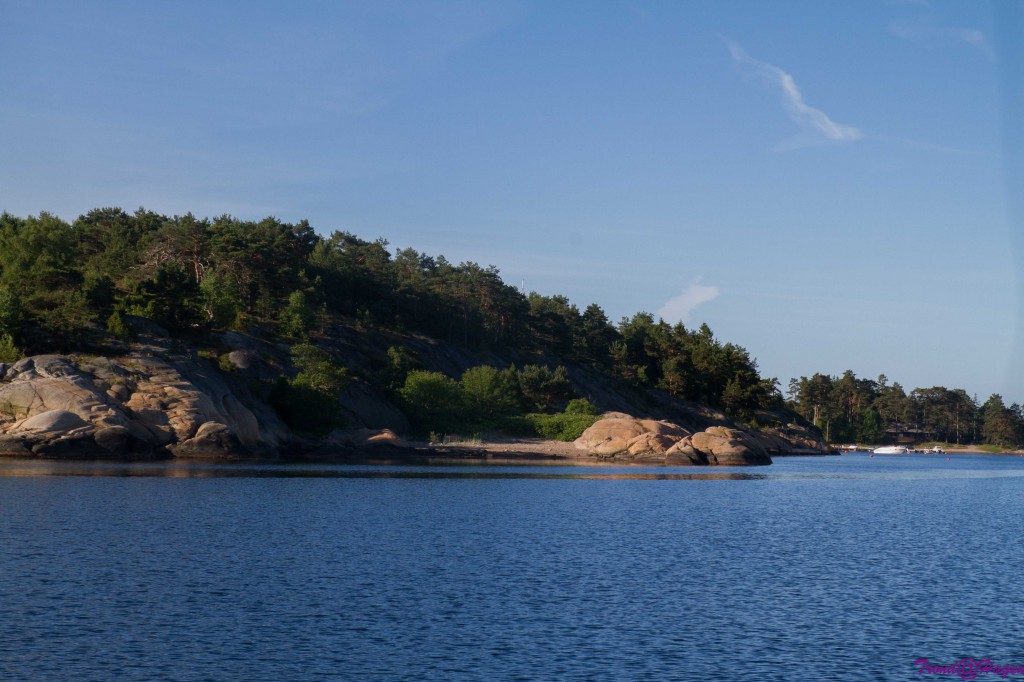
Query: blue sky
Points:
[830, 184]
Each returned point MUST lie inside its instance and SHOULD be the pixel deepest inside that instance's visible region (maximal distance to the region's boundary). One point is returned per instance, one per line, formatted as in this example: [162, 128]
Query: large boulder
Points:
[609, 436]
[650, 444]
[617, 434]
[722, 446]
[682, 453]
[51, 423]
[210, 440]
[620, 436]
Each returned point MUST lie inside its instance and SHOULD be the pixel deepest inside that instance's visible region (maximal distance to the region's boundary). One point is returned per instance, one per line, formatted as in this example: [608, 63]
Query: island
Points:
[144, 336]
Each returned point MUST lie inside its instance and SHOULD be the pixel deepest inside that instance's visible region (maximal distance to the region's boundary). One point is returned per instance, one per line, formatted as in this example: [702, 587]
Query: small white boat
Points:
[891, 450]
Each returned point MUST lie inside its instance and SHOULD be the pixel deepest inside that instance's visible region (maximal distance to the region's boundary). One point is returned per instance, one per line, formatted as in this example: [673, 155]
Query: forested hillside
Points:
[848, 409]
[72, 287]
[67, 287]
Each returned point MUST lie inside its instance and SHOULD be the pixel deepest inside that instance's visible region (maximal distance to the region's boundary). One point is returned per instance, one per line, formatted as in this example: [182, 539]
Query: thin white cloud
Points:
[812, 120]
[679, 308]
[923, 31]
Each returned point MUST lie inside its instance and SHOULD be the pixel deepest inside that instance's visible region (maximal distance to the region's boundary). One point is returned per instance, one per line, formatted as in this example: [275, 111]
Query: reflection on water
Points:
[850, 467]
[34, 467]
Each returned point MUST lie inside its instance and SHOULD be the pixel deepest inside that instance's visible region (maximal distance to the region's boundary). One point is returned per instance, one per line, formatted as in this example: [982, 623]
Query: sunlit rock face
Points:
[146, 404]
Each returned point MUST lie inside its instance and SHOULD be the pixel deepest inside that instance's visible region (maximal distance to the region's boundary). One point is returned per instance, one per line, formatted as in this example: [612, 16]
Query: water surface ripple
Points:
[844, 568]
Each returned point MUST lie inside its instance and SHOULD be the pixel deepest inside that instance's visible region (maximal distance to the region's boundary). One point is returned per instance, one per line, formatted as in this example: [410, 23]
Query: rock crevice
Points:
[140, 405]
[622, 437]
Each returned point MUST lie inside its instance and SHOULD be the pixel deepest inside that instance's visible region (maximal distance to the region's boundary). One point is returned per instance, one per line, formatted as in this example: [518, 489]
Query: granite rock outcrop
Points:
[148, 403]
[622, 437]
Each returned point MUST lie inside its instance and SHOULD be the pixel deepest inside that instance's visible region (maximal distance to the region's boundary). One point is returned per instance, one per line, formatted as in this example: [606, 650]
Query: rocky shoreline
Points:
[159, 400]
[143, 405]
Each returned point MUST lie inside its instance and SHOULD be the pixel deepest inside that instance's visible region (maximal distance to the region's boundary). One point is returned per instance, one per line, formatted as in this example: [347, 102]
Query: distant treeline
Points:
[62, 284]
[848, 409]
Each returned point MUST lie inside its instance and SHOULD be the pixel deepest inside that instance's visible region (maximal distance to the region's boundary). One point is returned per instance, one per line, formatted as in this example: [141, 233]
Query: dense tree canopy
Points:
[61, 283]
[849, 409]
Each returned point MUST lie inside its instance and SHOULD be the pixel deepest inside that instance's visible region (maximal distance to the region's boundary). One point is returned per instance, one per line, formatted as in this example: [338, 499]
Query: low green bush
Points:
[8, 351]
[565, 427]
[581, 406]
[225, 364]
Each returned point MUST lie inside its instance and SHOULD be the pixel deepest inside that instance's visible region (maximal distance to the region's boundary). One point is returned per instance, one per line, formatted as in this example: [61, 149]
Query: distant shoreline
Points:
[963, 450]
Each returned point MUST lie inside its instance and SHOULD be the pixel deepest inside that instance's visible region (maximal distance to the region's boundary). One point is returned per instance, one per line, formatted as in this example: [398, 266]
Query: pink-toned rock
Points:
[132, 405]
[727, 447]
[651, 444]
[366, 438]
[375, 437]
[663, 428]
[683, 452]
[609, 436]
[617, 433]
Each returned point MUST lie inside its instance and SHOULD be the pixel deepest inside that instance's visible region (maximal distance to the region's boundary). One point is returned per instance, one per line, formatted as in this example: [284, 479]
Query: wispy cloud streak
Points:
[923, 32]
[679, 308]
[807, 117]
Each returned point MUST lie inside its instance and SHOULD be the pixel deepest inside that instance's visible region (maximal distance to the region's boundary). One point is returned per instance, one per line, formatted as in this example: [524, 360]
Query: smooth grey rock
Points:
[52, 422]
[242, 359]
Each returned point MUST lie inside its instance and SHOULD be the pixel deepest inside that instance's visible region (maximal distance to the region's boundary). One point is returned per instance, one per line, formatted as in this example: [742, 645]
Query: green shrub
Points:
[564, 427]
[318, 370]
[489, 393]
[118, 327]
[11, 313]
[581, 406]
[541, 386]
[225, 364]
[8, 351]
[512, 425]
[70, 320]
[221, 301]
[400, 361]
[433, 402]
[297, 318]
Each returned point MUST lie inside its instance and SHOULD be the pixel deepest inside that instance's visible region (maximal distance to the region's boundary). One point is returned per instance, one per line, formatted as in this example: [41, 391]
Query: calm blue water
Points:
[841, 568]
